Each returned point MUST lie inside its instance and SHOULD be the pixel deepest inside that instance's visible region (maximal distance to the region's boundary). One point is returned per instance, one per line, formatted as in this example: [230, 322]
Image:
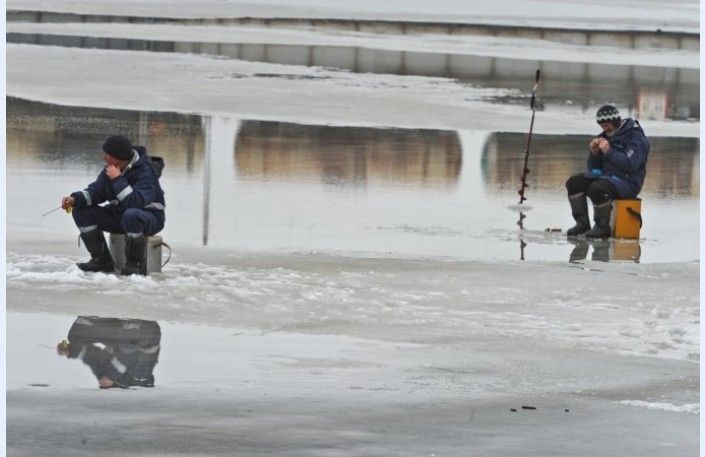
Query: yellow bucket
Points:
[626, 218]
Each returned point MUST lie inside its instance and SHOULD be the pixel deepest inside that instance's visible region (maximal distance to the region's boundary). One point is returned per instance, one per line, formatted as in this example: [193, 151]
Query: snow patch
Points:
[693, 408]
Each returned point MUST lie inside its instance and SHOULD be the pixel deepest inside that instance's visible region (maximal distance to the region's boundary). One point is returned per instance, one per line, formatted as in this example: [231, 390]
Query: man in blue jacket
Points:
[136, 207]
[616, 169]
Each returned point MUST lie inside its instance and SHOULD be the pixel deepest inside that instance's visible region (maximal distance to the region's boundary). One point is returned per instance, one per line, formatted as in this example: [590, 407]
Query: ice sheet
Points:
[505, 47]
[247, 90]
[285, 353]
[296, 353]
[406, 300]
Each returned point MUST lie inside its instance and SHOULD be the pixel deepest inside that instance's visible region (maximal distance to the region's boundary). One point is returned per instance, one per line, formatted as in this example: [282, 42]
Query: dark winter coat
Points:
[123, 350]
[137, 187]
[624, 165]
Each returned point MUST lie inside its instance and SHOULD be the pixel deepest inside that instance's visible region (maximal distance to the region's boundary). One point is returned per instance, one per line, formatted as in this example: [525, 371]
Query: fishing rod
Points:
[51, 211]
[68, 210]
[525, 172]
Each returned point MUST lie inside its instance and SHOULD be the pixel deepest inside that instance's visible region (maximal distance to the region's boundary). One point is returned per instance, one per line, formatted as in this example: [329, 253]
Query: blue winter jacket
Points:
[137, 187]
[624, 165]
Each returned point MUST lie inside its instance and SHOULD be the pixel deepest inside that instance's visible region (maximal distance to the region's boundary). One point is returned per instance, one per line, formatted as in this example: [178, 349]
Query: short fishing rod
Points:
[525, 172]
[68, 210]
[51, 211]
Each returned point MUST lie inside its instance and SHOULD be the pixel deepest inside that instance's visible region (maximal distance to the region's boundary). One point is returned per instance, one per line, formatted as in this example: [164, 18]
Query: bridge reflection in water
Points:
[348, 155]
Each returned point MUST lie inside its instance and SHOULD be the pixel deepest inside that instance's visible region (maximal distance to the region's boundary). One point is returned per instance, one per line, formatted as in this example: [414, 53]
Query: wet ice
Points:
[346, 280]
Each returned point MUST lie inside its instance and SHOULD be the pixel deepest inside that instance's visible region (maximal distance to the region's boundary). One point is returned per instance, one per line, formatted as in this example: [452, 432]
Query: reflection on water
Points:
[119, 352]
[267, 186]
[347, 155]
[605, 250]
[652, 92]
[672, 168]
[39, 133]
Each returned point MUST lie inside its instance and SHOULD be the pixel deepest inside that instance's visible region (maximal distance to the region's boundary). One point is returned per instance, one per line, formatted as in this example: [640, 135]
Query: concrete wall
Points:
[621, 38]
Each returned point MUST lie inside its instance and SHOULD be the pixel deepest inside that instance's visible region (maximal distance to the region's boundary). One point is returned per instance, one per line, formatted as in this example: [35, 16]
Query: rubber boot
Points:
[579, 208]
[602, 227]
[135, 256]
[101, 260]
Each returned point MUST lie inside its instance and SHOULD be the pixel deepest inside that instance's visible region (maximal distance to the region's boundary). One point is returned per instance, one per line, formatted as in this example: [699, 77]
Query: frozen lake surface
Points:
[348, 356]
[661, 83]
[238, 89]
[360, 292]
[348, 276]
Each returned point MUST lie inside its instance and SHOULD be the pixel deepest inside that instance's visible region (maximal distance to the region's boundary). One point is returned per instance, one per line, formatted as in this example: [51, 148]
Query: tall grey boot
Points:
[579, 208]
[101, 260]
[135, 256]
[602, 227]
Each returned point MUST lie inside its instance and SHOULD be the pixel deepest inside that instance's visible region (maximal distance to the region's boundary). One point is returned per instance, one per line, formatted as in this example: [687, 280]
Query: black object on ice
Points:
[522, 245]
[525, 171]
[121, 351]
[528, 407]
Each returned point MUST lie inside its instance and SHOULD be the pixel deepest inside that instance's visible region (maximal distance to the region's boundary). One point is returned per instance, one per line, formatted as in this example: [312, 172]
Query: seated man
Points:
[616, 169]
[136, 207]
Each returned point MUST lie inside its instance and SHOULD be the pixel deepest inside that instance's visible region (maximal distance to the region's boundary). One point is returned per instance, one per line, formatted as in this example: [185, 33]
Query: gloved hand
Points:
[63, 348]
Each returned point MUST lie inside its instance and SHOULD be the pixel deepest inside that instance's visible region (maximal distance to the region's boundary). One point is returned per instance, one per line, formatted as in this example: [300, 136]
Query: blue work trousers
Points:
[118, 219]
[599, 190]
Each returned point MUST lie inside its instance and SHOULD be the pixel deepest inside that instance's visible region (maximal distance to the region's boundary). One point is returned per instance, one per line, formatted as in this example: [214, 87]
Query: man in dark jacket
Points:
[119, 352]
[136, 207]
[616, 169]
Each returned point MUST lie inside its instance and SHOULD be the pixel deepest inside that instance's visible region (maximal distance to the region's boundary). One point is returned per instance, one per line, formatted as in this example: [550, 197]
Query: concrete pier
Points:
[631, 39]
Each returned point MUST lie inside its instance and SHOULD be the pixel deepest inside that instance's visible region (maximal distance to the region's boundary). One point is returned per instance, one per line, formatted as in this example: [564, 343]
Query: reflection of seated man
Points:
[616, 169]
[120, 352]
